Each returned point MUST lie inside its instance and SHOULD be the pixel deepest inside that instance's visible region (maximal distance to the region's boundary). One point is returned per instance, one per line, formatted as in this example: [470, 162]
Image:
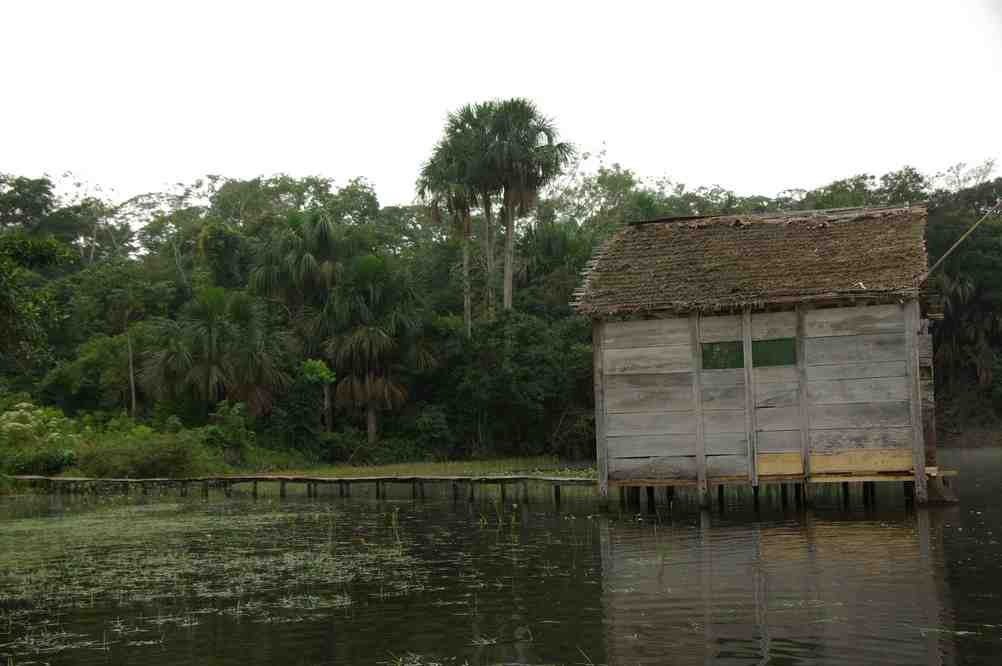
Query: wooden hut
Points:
[763, 348]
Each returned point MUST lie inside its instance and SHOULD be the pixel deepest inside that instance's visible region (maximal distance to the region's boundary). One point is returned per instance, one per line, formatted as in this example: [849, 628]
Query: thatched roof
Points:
[732, 261]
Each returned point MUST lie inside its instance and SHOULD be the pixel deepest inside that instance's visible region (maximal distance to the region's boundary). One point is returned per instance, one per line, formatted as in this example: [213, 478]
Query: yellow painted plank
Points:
[779, 463]
[862, 461]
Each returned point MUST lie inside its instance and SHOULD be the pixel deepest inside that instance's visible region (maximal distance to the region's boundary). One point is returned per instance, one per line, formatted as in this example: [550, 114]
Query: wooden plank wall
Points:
[650, 413]
[858, 389]
[724, 402]
[777, 401]
[845, 406]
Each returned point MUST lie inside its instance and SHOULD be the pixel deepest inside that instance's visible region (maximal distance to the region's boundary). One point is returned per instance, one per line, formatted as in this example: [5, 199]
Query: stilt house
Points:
[763, 348]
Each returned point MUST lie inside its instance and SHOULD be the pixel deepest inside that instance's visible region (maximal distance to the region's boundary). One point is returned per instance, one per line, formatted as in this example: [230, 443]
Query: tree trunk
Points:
[488, 241]
[370, 422]
[467, 296]
[132, 374]
[509, 255]
[328, 409]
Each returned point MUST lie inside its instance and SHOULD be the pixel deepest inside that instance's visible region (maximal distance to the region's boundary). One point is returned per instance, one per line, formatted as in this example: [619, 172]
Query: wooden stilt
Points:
[798, 494]
[501, 488]
[525, 492]
[782, 495]
[455, 491]
[472, 491]
[720, 496]
[205, 489]
[845, 494]
[421, 489]
[651, 502]
[755, 496]
[556, 494]
[282, 490]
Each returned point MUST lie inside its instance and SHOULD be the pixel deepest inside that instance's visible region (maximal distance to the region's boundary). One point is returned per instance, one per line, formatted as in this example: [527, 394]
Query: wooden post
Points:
[798, 494]
[669, 495]
[501, 488]
[282, 490]
[755, 496]
[909, 488]
[720, 496]
[651, 503]
[472, 492]
[228, 488]
[697, 398]
[254, 490]
[525, 492]
[205, 489]
[184, 489]
[750, 421]
[782, 495]
[803, 399]
[601, 448]
[915, 398]
[421, 489]
[556, 494]
[455, 491]
[347, 488]
[379, 490]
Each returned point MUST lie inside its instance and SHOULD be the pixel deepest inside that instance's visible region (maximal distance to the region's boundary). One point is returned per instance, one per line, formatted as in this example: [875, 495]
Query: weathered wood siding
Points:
[650, 412]
[844, 407]
[858, 390]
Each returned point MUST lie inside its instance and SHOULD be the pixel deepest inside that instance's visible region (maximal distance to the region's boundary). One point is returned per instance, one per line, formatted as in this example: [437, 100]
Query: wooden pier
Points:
[513, 487]
[462, 487]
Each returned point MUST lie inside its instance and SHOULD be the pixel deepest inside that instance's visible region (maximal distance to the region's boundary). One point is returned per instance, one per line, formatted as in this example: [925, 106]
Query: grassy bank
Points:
[42, 440]
[541, 465]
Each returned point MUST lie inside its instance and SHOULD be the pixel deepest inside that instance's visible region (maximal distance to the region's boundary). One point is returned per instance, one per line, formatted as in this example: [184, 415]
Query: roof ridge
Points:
[781, 214]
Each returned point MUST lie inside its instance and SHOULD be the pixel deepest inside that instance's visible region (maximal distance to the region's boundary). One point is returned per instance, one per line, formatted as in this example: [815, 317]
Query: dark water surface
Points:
[156, 581]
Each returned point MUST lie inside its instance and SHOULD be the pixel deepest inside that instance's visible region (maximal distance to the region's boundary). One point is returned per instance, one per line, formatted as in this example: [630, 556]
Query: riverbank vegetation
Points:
[285, 322]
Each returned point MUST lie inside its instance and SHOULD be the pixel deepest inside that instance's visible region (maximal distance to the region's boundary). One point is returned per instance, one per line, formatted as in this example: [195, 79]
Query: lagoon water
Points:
[166, 580]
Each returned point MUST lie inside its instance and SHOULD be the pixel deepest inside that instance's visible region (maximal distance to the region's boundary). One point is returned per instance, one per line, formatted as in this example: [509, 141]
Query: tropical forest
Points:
[289, 322]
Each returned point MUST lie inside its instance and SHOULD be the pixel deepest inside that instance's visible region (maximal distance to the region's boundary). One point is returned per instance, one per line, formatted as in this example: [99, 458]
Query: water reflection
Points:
[804, 590]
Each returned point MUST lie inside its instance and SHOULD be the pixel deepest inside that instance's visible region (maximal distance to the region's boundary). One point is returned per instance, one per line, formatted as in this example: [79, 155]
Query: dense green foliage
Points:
[279, 321]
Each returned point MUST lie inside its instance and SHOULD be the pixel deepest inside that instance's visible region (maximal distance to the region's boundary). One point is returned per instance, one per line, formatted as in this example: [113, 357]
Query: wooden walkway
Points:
[460, 485]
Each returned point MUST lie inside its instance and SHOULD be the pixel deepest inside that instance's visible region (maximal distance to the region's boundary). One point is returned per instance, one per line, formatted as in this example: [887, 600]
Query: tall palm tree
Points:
[443, 183]
[298, 266]
[469, 132]
[377, 313]
[527, 156]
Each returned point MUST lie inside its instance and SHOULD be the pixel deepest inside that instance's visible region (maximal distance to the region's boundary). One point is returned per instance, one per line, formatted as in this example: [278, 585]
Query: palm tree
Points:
[255, 356]
[298, 266]
[376, 312]
[219, 347]
[469, 132]
[443, 183]
[527, 156]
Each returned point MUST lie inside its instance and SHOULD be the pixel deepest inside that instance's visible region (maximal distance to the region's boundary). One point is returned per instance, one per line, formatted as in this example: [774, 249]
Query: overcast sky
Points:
[755, 96]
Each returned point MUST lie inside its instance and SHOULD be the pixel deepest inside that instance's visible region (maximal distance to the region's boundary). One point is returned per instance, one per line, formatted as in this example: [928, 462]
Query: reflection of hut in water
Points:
[812, 593]
[757, 348]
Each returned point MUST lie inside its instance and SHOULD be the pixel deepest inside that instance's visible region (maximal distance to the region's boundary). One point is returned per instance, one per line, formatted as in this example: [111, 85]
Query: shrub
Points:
[142, 452]
[37, 440]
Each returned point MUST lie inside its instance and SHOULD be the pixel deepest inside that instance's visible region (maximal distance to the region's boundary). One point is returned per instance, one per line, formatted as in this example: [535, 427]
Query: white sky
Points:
[755, 96]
